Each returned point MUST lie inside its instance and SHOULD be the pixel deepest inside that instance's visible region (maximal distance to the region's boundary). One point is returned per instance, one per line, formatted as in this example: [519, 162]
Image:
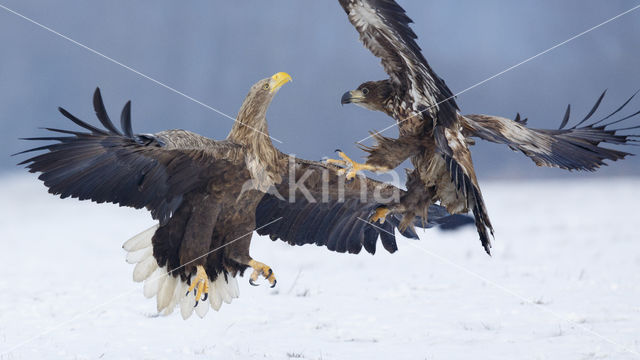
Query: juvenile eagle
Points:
[434, 134]
[209, 196]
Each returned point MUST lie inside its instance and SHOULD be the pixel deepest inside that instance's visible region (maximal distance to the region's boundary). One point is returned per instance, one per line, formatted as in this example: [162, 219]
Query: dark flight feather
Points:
[593, 110]
[125, 120]
[565, 120]
[576, 148]
[101, 113]
[109, 166]
[337, 224]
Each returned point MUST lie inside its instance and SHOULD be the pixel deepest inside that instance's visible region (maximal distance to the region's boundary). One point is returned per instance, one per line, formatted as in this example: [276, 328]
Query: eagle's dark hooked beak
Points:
[346, 98]
[352, 97]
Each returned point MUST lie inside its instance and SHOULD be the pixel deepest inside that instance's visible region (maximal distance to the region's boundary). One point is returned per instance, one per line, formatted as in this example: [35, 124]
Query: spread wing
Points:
[384, 30]
[116, 166]
[575, 148]
[319, 207]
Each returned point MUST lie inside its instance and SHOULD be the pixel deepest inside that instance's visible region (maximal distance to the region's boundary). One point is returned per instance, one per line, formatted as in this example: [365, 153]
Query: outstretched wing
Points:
[575, 148]
[116, 166]
[384, 30]
[318, 206]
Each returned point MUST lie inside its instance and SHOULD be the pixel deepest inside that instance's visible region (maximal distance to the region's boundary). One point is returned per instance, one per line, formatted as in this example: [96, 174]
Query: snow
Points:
[563, 283]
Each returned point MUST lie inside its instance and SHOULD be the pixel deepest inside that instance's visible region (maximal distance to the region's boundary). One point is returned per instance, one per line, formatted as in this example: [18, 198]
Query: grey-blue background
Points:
[214, 50]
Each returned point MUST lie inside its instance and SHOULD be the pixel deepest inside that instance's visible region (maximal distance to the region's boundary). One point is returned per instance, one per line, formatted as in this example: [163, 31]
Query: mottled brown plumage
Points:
[436, 137]
[209, 196]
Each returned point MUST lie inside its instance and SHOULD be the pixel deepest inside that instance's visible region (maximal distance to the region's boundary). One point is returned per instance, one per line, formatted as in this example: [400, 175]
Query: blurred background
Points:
[570, 247]
[215, 50]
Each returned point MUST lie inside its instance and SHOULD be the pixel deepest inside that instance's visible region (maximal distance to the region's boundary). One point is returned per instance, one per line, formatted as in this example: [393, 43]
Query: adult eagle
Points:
[433, 133]
[209, 196]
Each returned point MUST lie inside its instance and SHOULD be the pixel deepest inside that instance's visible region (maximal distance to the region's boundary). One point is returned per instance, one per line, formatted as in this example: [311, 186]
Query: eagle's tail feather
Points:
[141, 240]
[170, 290]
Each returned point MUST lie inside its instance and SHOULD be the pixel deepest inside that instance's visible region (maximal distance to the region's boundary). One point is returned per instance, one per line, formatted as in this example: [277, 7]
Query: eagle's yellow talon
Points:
[352, 168]
[200, 284]
[379, 215]
[261, 269]
[336, 162]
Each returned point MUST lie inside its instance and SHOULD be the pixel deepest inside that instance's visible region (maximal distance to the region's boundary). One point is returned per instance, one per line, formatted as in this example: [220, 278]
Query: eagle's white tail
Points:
[170, 290]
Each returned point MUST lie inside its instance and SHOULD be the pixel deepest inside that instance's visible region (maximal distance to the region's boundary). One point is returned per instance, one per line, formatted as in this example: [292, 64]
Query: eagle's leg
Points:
[261, 269]
[380, 215]
[352, 166]
[238, 250]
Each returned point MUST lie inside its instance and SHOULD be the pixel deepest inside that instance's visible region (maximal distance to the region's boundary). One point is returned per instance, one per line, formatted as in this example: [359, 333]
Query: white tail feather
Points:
[202, 308]
[135, 257]
[223, 288]
[187, 305]
[154, 282]
[170, 290]
[180, 288]
[214, 297]
[144, 268]
[140, 241]
[234, 289]
[165, 295]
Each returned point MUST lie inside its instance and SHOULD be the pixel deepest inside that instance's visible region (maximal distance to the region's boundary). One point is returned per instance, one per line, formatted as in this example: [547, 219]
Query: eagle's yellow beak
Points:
[278, 80]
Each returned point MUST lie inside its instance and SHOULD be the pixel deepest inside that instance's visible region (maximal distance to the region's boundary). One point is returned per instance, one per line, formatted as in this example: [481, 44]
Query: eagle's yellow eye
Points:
[265, 86]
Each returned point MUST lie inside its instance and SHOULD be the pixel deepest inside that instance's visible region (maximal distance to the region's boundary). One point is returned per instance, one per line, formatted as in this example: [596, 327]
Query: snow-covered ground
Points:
[564, 283]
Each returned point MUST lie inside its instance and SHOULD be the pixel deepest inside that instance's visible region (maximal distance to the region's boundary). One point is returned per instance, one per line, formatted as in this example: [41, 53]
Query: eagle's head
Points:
[265, 89]
[259, 98]
[372, 95]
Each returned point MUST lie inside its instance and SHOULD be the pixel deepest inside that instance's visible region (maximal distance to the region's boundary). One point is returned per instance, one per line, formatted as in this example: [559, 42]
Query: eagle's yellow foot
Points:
[379, 215]
[261, 269]
[200, 284]
[351, 167]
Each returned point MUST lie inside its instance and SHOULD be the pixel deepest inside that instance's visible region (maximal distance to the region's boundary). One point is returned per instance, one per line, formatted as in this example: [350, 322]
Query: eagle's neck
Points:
[250, 130]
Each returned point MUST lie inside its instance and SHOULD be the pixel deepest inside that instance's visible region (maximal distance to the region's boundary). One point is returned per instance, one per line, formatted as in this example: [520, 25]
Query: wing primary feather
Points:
[617, 110]
[593, 110]
[81, 123]
[70, 132]
[101, 113]
[49, 138]
[629, 128]
[44, 147]
[565, 120]
[623, 119]
[125, 120]
[388, 237]
[370, 239]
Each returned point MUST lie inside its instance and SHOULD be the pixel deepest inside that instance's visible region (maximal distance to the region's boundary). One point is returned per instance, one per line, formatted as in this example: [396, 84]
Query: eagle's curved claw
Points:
[261, 269]
[199, 284]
